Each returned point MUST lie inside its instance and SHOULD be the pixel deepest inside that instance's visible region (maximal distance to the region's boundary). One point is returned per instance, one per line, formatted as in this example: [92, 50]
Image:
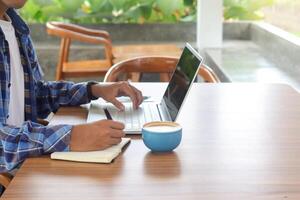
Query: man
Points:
[24, 97]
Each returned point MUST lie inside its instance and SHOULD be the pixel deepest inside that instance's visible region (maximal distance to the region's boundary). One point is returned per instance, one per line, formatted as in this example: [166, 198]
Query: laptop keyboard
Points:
[134, 119]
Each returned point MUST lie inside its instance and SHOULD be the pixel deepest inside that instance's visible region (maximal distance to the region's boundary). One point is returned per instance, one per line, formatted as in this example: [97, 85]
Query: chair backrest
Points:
[208, 74]
[71, 32]
[145, 64]
[152, 64]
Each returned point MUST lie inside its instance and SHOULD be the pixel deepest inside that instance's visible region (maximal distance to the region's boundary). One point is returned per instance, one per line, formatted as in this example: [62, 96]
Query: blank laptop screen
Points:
[181, 80]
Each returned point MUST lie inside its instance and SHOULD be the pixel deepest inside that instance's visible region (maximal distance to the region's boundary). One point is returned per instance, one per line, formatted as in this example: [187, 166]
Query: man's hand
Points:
[109, 92]
[96, 136]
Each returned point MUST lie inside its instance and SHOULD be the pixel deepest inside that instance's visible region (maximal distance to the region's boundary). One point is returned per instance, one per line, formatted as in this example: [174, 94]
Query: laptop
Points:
[166, 110]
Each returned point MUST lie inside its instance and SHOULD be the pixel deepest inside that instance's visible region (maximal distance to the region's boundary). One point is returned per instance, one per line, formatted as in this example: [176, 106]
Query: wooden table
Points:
[240, 141]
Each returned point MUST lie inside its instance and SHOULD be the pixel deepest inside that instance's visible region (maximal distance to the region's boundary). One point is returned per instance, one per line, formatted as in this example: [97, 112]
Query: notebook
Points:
[167, 109]
[103, 156]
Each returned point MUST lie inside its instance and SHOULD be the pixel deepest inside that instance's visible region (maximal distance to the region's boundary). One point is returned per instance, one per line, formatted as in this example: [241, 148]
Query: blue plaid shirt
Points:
[41, 98]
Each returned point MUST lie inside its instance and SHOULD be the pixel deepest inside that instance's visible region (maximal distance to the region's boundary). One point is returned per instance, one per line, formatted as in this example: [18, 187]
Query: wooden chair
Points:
[68, 33]
[71, 32]
[164, 66]
[5, 179]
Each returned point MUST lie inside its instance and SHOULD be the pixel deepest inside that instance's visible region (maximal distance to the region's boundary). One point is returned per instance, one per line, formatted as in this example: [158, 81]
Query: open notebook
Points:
[103, 156]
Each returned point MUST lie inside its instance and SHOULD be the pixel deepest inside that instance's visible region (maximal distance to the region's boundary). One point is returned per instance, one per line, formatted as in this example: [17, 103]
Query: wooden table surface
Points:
[240, 141]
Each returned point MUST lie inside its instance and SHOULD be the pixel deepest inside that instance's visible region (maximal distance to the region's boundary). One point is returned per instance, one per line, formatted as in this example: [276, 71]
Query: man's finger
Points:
[128, 91]
[139, 95]
[118, 104]
[117, 133]
[116, 125]
[114, 141]
[111, 124]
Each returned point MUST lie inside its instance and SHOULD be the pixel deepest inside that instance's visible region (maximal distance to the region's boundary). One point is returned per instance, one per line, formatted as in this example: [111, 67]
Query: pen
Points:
[108, 116]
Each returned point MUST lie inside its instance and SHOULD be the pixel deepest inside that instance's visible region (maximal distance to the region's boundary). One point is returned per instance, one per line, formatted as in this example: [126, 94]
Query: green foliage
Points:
[110, 11]
[245, 9]
[134, 11]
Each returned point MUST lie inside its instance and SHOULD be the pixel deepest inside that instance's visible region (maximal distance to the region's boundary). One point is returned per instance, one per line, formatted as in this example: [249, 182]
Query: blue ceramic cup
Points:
[161, 136]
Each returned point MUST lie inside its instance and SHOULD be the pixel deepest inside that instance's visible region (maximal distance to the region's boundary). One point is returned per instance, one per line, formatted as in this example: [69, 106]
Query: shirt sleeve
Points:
[53, 94]
[30, 140]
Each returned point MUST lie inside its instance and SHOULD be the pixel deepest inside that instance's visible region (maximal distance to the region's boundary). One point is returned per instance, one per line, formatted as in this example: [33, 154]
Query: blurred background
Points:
[260, 38]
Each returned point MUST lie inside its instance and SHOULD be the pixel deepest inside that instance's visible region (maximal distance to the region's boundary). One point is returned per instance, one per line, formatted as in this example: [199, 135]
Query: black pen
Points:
[108, 116]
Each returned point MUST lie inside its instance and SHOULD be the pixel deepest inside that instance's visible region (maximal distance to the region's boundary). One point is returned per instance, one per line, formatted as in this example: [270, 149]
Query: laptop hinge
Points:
[163, 111]
[159, 112]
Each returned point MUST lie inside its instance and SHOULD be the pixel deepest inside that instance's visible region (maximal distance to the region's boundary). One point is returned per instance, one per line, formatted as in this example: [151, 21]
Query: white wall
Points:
[210, 24]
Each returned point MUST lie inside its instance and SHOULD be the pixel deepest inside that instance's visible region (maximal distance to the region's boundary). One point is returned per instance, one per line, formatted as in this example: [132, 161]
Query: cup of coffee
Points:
[161, 136]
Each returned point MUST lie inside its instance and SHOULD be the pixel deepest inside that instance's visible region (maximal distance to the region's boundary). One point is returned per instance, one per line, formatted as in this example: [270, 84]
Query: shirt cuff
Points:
[59, 139]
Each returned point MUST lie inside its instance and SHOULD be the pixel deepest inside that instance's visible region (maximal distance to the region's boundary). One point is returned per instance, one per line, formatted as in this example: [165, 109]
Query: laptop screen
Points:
[181, 80]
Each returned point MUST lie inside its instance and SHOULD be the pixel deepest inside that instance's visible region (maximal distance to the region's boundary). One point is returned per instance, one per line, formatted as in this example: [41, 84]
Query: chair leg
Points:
[135, 77]
[5, 179]
[63, 57]
[58, 75]
[164, 77]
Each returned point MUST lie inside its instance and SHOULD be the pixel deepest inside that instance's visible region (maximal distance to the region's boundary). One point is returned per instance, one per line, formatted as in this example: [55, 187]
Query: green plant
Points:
[134, 11]
[245, 9]
[297, 34]
[110, 11]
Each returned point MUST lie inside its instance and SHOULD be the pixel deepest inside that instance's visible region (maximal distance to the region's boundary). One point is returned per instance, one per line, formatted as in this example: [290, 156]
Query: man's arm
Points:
[30, 140]
[51, 95]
